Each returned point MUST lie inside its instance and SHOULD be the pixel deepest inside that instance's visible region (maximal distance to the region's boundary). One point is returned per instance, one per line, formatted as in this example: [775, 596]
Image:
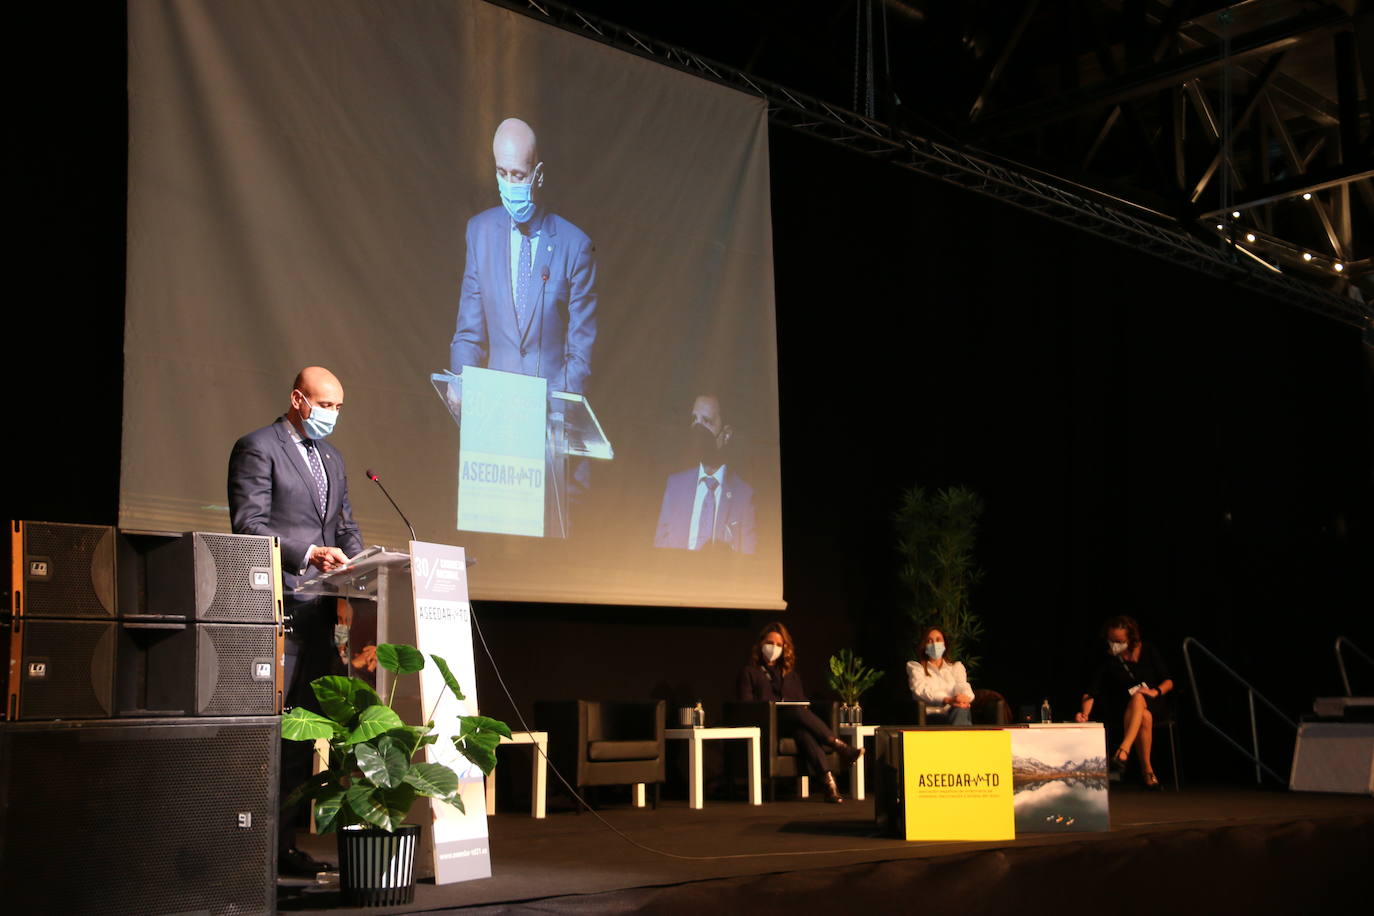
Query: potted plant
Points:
[850, 678]
[372, 780]
[936, 534]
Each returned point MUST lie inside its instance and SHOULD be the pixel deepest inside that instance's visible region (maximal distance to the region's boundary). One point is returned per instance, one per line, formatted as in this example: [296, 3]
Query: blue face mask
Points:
[321, 421]
[518, 199]
[935, 649]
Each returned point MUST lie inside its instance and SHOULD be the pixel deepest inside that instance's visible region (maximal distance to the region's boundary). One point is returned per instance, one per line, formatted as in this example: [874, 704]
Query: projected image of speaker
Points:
[139, 816]
[168, 668]
[60, 669]
[62, 571]
[223, 578]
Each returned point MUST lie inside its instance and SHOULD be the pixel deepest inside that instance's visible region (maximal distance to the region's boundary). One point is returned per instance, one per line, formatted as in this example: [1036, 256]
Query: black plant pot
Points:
[377, 868]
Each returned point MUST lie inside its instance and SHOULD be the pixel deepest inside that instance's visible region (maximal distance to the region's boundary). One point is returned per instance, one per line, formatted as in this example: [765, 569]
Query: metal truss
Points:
[1058, 199]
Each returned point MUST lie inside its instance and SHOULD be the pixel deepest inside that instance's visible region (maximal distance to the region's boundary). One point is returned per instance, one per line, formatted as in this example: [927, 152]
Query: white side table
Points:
[855, 735]
[697, 737]
[539, 779]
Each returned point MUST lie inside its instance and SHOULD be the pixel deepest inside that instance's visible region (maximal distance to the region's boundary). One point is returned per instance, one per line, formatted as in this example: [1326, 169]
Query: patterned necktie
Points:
[706, 523]
[317, 470]
[524, 278]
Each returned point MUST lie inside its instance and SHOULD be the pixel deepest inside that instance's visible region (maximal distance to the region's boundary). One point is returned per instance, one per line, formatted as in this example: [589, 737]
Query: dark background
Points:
[1145, 438]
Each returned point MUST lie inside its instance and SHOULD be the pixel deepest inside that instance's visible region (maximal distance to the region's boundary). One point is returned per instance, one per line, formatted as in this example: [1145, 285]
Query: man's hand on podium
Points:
[327, 559]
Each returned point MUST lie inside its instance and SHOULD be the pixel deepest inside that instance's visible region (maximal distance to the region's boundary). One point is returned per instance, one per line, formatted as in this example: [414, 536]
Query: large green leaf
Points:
[410, 738]
[400, 658]
[374, 721]
[477, 739]
[343, 698]
[398, 801]
[432, 779]
[449, 679]
[327, 811]
[300, 724]
[384, 762]
[366, 803]
[484, 758]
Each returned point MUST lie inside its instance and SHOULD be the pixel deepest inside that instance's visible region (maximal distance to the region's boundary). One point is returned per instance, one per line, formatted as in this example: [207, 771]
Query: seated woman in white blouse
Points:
[942, 685]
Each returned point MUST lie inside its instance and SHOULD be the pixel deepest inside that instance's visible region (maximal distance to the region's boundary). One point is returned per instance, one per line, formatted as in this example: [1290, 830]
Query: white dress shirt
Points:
[931, 688]
[702, 492]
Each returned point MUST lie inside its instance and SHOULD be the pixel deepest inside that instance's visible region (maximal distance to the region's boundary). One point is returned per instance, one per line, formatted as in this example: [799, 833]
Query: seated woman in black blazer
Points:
[772, 675]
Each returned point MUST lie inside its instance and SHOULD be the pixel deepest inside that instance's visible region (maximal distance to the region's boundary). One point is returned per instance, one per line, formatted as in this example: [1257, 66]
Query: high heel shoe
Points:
[847, 753]
[1118, 761]
[1151, 781]
[832, 791]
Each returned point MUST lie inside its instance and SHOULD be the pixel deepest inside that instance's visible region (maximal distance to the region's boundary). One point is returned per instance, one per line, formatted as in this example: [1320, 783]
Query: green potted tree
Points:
[371, 779]
[936, 533]
[850, 678]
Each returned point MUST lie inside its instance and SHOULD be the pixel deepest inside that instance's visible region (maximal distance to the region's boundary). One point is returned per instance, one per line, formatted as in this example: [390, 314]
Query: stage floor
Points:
[573, 863]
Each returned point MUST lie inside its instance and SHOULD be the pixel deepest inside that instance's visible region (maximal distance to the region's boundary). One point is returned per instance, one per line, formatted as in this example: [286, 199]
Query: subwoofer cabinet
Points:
[138, 816]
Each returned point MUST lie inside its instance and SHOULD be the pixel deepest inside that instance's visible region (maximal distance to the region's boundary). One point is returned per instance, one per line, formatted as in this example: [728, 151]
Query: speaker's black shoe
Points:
[847, 753]
[298, 862]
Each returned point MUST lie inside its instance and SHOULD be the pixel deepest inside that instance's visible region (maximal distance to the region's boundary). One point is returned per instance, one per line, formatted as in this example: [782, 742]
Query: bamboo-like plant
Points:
[850, 678]
[371, 776]
[936, 533]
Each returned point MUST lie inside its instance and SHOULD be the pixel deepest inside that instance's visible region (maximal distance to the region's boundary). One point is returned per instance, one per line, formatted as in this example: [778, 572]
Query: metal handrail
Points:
[1342, 642]
[1253, 752]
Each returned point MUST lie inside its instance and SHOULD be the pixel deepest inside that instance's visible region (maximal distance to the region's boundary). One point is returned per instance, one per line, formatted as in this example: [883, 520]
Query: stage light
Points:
[1249, 236]
[1338, 266]
[1235, 214]
[1307, 196]
[1307, 255]
[1220, 227]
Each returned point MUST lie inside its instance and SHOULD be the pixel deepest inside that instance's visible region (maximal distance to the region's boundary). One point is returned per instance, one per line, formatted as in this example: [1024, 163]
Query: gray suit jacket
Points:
[271, 492]
[555, 342]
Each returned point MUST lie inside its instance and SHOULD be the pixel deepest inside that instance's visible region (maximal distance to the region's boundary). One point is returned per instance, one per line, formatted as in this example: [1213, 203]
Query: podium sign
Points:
[443, 627]
[501, 458]
[957, 784]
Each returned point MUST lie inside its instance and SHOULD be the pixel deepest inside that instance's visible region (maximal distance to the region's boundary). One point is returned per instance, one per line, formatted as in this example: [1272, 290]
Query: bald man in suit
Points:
[286, 481]
[528, 299]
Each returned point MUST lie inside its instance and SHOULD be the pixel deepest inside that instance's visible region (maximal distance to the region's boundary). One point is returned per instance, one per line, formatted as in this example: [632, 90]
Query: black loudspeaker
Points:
[219, 578]
[62, 571]
[60, 669]
[139, 816]
[209, 669]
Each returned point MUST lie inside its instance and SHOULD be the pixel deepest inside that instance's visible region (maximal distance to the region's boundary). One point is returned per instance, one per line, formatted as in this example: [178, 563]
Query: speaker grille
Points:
[80, 570]
[136, 818]
[77, 659]
[228, 653]
[234, 599]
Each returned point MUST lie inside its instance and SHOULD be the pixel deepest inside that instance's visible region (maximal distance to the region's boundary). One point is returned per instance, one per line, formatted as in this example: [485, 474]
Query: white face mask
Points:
[1116, 648]
[771, 651]
[935, 650]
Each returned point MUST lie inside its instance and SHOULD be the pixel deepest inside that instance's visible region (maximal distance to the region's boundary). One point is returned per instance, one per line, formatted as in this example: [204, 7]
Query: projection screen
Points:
[314, 183]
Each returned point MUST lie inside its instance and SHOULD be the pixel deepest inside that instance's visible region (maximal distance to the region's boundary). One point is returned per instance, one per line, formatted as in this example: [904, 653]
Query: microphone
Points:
[378, 481]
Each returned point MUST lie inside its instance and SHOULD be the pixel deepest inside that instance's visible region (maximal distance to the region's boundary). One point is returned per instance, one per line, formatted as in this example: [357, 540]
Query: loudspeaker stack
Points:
[139, 761]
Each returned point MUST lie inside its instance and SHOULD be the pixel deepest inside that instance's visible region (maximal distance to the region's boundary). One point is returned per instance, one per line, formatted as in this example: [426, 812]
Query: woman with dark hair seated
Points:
[771, 674]
[938, 683]
[1131, 675]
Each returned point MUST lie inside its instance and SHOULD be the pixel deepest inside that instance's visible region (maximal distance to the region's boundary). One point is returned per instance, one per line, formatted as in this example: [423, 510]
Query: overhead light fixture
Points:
[1307, 255]
[1338, 266]
[1249, 236]
[1307, 196]
[1220, 227]
[1235, 214]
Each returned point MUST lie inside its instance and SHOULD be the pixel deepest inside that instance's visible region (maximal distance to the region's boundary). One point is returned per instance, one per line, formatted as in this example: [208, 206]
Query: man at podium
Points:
[528, 299]
[708, 507]
[286, 481]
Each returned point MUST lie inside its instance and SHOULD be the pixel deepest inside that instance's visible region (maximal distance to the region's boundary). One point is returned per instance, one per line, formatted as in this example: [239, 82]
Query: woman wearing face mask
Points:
[942, 685]
[1133, 675]
[771, 674]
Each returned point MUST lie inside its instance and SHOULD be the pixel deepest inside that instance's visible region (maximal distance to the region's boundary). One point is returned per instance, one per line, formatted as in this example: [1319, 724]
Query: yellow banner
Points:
[957, 785]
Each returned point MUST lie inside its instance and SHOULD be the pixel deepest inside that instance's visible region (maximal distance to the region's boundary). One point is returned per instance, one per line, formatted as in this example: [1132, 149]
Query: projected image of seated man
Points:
[709, 506]
[528, 299]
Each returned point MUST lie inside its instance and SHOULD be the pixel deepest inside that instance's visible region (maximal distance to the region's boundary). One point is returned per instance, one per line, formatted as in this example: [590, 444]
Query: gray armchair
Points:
[597, 743]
